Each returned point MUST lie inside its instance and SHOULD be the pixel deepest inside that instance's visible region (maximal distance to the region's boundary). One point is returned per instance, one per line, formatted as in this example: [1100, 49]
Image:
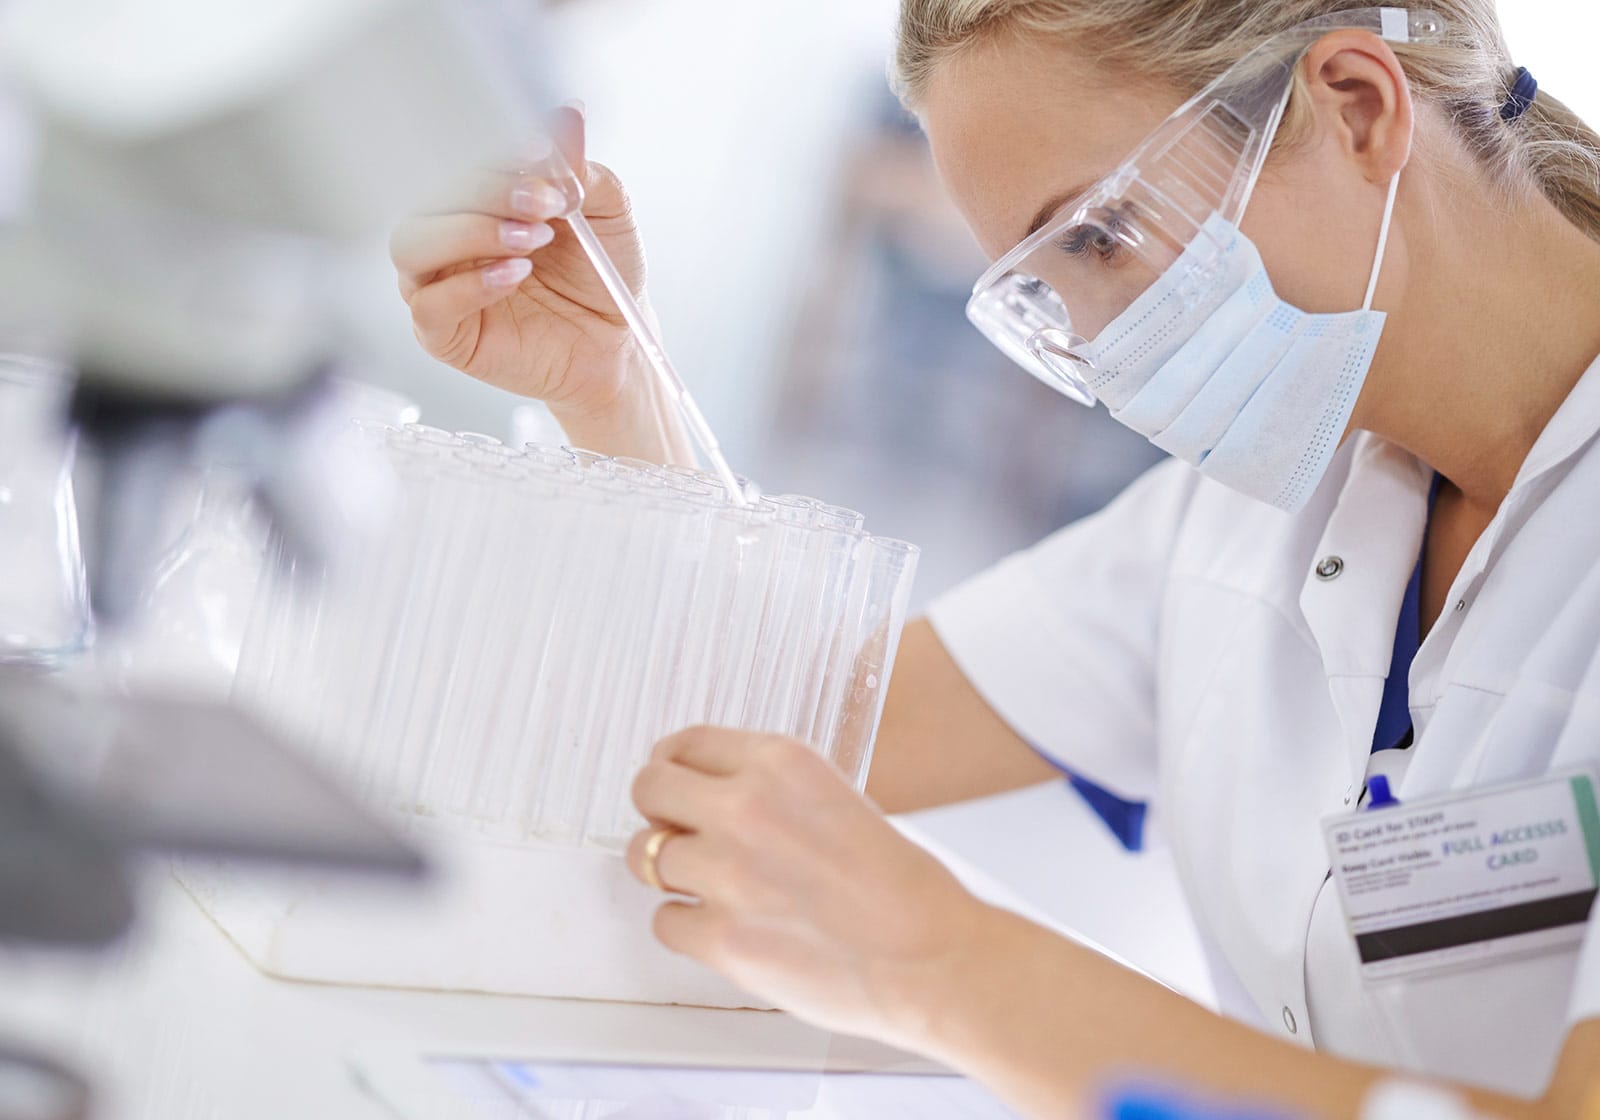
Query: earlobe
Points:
[1360, 92]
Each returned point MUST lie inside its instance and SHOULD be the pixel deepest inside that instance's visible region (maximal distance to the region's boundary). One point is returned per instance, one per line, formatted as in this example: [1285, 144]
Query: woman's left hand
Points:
[805, 894]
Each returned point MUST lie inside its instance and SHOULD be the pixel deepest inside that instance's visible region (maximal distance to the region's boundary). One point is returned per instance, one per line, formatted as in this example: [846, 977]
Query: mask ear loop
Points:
[1383, 242]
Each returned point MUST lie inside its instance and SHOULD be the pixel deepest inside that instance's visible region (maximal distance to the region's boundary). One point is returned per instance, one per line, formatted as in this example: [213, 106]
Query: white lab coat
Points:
[1180, 648]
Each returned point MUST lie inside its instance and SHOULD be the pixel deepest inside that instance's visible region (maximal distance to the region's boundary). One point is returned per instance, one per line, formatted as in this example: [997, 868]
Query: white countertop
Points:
[176, 1024]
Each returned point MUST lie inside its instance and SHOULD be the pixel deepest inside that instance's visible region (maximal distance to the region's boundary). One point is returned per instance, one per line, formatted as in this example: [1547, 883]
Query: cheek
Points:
[1318, 244]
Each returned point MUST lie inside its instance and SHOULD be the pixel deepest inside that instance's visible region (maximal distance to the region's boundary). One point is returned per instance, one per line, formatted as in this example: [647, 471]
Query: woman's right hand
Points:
[499, 291]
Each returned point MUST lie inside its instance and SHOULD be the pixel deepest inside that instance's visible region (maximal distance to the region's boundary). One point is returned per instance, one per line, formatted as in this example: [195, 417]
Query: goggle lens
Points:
[1065, 284]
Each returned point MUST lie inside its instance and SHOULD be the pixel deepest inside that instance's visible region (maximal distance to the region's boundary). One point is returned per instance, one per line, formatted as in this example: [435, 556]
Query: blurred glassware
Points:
[44, 598]
[192, 617]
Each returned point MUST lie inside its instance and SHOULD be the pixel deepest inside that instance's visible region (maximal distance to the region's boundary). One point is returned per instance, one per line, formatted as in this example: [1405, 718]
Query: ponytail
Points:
[1562, 155]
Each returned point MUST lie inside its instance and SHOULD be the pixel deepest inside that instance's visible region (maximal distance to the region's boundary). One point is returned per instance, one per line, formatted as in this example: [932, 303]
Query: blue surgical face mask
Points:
[1213, 367]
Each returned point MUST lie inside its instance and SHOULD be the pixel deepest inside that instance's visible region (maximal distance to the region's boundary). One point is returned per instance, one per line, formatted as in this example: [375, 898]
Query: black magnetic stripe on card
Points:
[1468, 929]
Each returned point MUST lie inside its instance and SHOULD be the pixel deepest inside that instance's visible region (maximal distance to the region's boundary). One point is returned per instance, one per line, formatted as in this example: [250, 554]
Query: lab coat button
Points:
[1461, 605]
[1329, 567]
[1289, 1023]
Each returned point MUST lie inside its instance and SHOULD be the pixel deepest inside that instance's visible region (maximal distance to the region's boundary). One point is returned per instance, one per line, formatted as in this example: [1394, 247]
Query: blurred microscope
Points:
[203, 169]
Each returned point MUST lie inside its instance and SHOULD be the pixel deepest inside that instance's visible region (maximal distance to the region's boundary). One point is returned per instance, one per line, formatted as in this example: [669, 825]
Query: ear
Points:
[1360, 95]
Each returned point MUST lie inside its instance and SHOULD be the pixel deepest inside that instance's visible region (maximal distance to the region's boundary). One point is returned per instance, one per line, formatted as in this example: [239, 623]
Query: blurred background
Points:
[810, 275]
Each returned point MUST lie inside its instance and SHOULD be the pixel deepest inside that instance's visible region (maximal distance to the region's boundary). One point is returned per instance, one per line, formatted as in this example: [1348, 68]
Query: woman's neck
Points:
[1500, 318]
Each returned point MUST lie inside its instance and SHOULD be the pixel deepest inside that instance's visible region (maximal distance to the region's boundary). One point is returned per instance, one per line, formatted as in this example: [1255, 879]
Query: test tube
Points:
[375, 616]
[843, 649]
[887, 569]
[820, 609]
[339, 659]
[547, 795]
[747, 488]
[512, 607]
[421, 615]
[617, 682]
[838, 517]
[687, 485]
[299, 661]
[686, 538]
[487, 580]
[748, 548]
[628, 465]
[780, 610]
[623, 679]
[584, 457]
[540, 454]
[548, 533]
[263, 657]
[704, 635]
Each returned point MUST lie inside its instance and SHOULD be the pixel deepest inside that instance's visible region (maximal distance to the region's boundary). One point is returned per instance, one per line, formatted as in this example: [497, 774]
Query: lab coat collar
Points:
[1374, 534]
[1375, 531]
[1570, 430]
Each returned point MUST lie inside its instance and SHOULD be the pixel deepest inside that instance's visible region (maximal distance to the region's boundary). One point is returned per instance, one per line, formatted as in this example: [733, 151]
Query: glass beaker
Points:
[44, 597]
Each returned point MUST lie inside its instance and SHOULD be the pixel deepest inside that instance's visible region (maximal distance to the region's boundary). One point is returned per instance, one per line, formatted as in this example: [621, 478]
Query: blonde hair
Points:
[1189, 42]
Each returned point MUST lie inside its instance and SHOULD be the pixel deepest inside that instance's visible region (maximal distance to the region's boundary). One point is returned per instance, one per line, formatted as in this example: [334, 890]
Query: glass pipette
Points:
[677, 392]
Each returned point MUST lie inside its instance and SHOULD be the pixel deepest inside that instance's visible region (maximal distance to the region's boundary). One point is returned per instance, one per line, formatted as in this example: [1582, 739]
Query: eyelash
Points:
[1102, 238]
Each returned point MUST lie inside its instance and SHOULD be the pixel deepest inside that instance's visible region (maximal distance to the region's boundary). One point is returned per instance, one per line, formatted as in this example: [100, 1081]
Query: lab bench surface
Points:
[176, 1024]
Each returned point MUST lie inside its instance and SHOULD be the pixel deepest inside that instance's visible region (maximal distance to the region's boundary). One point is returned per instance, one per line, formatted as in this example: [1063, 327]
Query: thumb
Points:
[567, 127]
[604, 196]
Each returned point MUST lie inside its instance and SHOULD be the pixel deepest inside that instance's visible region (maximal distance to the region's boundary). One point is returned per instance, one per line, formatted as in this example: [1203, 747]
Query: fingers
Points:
[670, 793]
[691, 928]
[522, 195]
[528, 193]
[438, 309]
[604, 197]
[497, 214]
[711, 750]
[686, 862]
[428, 244]
[568, 127]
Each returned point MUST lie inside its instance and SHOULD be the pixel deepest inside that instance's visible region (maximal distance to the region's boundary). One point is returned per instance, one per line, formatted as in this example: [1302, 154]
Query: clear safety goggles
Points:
[1047, 299]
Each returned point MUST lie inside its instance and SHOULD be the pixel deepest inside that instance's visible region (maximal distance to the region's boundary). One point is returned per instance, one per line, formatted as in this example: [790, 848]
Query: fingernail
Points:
[507, 273]
[577, 106]
[542, 201]
[523, 237]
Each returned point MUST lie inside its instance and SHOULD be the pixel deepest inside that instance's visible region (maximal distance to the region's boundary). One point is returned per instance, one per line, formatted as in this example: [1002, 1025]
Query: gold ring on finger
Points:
[652, 855]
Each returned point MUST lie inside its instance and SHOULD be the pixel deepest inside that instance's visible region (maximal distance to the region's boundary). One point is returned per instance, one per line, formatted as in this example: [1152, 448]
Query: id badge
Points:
[1487, 873]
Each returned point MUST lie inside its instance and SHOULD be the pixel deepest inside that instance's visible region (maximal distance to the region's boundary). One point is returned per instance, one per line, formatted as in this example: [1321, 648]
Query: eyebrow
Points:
[1048, 210]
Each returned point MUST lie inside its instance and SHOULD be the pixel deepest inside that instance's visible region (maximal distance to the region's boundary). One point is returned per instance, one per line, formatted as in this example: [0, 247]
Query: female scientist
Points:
[1352, 286]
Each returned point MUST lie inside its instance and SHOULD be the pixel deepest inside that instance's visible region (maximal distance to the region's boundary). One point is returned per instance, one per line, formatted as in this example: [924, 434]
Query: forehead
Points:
[1013, 122]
